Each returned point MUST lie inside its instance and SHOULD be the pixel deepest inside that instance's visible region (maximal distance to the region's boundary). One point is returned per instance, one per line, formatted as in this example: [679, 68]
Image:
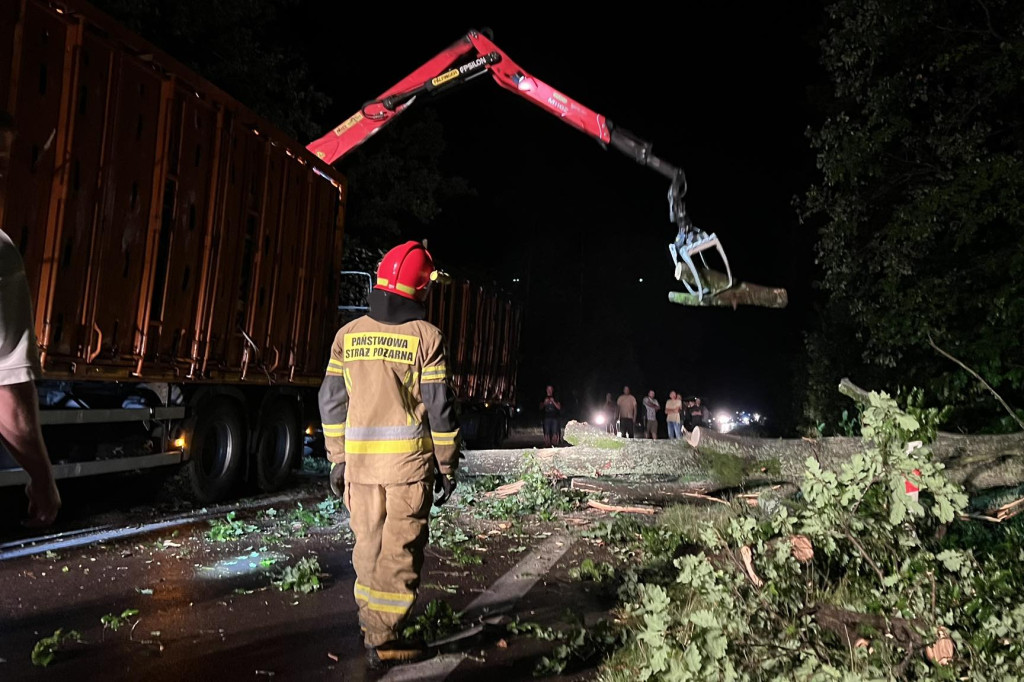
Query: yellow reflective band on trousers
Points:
[385, 602]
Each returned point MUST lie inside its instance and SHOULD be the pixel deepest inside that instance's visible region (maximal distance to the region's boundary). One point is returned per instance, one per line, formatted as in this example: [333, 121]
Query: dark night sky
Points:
[720, 91]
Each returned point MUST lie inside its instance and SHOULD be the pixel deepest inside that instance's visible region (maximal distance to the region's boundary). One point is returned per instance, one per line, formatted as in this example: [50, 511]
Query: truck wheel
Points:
[217, 452]
[488, 431]
[278, 444]
[500, 429]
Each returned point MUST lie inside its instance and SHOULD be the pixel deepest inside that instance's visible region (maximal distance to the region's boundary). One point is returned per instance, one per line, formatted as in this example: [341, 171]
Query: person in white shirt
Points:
[673, 418]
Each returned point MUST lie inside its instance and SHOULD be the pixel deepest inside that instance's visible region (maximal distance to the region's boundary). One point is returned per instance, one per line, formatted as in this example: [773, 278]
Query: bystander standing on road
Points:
[651, 407]
[687, 416]
[609, 410]
[626, 405]
[699, 415]
[552, 411]
[19, 367]
[673, 419]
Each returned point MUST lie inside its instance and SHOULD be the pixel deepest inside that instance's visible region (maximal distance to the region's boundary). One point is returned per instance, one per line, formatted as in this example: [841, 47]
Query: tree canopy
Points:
[396, 183]
[920, 201]
[235, 45]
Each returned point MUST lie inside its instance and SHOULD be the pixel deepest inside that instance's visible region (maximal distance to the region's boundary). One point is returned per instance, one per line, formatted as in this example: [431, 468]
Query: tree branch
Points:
[852, 390]
[839, 621]
[983, 382]
[860, 548]
[988, 20]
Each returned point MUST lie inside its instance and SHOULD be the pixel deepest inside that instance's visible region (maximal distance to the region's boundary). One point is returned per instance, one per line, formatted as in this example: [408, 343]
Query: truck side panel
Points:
[268, 256]
[482, 329]
[185, 239]
[168, 232]
[9, 38]
[121, 274]
[319, 319]
[246, 161]
[40, 58]
[182, 253]
[69, 309]
[292, 248]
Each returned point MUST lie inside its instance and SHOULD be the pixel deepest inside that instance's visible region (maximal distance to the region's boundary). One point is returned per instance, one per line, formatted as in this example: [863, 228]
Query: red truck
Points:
[184, 258]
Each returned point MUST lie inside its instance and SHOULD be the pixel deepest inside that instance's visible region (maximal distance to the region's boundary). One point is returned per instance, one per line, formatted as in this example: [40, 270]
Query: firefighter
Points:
[392, 439]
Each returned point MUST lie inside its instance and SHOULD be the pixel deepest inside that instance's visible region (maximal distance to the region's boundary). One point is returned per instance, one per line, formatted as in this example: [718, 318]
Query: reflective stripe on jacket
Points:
[385, 402]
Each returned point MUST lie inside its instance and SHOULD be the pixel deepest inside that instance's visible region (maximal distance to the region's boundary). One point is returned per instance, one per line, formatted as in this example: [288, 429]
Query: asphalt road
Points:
[202, 600]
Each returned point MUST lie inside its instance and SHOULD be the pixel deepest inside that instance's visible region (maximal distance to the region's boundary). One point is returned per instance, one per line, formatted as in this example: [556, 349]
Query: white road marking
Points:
[90, 536]
[500, 596]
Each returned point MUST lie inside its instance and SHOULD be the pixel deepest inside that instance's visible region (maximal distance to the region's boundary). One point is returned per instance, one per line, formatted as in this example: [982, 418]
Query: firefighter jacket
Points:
[386, 403]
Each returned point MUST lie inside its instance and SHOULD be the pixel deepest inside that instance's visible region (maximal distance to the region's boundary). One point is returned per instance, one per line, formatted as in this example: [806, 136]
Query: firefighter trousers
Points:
[390, 524]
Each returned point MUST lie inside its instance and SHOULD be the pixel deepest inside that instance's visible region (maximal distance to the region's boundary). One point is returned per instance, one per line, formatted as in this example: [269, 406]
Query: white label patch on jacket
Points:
[381, 346]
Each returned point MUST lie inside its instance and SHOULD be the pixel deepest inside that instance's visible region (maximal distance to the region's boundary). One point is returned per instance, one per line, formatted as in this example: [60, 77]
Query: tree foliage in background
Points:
[396, 184]
[238, 46]
[921, 201]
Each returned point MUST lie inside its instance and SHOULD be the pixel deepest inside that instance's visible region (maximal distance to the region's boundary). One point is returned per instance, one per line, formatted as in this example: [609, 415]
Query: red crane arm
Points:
[468, 57]
[375, 114]
[514, 78]
[475, 54]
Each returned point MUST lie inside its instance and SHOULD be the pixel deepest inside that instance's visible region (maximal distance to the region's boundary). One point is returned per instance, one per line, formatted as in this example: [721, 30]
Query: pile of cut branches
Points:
[872, 570]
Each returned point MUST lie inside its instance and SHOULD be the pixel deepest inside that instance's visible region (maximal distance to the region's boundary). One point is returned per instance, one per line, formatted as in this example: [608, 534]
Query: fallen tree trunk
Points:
[506, 490]
[596, 454]
[601, 506]
[653, 492]
[976, 462]
[708, 461]
[740, 293]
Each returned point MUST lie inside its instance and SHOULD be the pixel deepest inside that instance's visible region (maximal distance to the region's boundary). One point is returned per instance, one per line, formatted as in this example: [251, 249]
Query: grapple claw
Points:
[689, 244]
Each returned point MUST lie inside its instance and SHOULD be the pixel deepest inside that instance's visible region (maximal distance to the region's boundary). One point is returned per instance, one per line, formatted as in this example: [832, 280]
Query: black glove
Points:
[338, 478]
[444, 486]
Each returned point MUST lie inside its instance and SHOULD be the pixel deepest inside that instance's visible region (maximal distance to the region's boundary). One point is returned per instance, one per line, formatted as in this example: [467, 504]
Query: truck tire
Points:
[278, 443]
[489, 430]
[500, 429]
[217, 452]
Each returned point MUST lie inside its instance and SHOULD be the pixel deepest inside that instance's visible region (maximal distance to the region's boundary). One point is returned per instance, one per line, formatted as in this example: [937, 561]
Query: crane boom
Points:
[475, 54]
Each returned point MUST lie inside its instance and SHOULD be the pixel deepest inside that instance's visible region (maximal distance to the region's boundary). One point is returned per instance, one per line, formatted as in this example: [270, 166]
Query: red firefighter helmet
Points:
[406, 270]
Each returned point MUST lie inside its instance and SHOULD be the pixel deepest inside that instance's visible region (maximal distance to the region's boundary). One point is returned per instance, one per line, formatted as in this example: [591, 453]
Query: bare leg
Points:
[19, 428]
